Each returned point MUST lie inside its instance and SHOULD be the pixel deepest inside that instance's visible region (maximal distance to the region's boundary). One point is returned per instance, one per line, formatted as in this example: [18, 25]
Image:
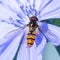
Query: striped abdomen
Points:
[31, 38]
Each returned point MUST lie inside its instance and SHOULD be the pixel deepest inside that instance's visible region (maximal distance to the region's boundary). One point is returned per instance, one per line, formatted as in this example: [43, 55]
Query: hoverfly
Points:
[32, 30]
[33, 25]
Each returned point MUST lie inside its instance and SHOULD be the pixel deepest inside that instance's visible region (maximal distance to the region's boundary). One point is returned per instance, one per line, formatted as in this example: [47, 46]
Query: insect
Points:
[32, 30]
[33, 25]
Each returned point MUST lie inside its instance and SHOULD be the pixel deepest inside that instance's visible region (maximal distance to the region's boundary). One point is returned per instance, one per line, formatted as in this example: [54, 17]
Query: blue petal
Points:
[38, 39]
[13, 39]
[25, 8]
[53, 34]
[40, 42]
[9, 14]
[24, 51]
[4, 28]
[43, 26]
[49, 9]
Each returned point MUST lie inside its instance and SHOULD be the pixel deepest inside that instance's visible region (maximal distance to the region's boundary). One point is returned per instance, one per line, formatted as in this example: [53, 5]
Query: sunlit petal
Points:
[40, 56]
[4, 28]
[49, 9]
[12, 43]
[25, 8]
[9, 7]
[50, 32]
[54, 34]
[27, 53]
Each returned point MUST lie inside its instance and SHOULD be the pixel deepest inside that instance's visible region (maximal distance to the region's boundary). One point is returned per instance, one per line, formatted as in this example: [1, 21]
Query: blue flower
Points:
[14, 15]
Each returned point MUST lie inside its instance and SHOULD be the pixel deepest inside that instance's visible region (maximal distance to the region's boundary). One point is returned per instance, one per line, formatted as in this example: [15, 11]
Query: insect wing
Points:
[40, 42]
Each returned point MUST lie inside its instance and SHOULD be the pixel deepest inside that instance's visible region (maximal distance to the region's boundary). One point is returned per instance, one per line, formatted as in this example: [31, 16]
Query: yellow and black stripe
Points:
[31, 38]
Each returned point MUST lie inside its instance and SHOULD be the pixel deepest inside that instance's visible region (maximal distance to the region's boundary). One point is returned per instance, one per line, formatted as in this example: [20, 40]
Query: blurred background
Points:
[52, 52]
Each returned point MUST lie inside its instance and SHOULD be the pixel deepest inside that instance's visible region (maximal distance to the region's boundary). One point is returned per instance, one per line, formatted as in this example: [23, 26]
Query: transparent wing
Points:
[10, 43]
[52, 33]
[40, 43]
[49, 9]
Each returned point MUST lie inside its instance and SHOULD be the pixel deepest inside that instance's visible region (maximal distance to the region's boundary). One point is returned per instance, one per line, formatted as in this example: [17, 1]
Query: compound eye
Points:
[33, 18]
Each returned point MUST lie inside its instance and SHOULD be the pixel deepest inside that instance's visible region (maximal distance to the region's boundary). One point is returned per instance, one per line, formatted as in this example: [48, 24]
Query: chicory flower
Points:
[14, 15]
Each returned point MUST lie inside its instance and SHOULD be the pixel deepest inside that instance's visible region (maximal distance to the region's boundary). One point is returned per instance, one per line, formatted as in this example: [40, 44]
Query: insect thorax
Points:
[33, 25]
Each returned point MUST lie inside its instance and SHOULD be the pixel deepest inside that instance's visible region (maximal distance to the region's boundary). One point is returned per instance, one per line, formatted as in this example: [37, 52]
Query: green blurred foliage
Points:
[57, 22]
[50, 53]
